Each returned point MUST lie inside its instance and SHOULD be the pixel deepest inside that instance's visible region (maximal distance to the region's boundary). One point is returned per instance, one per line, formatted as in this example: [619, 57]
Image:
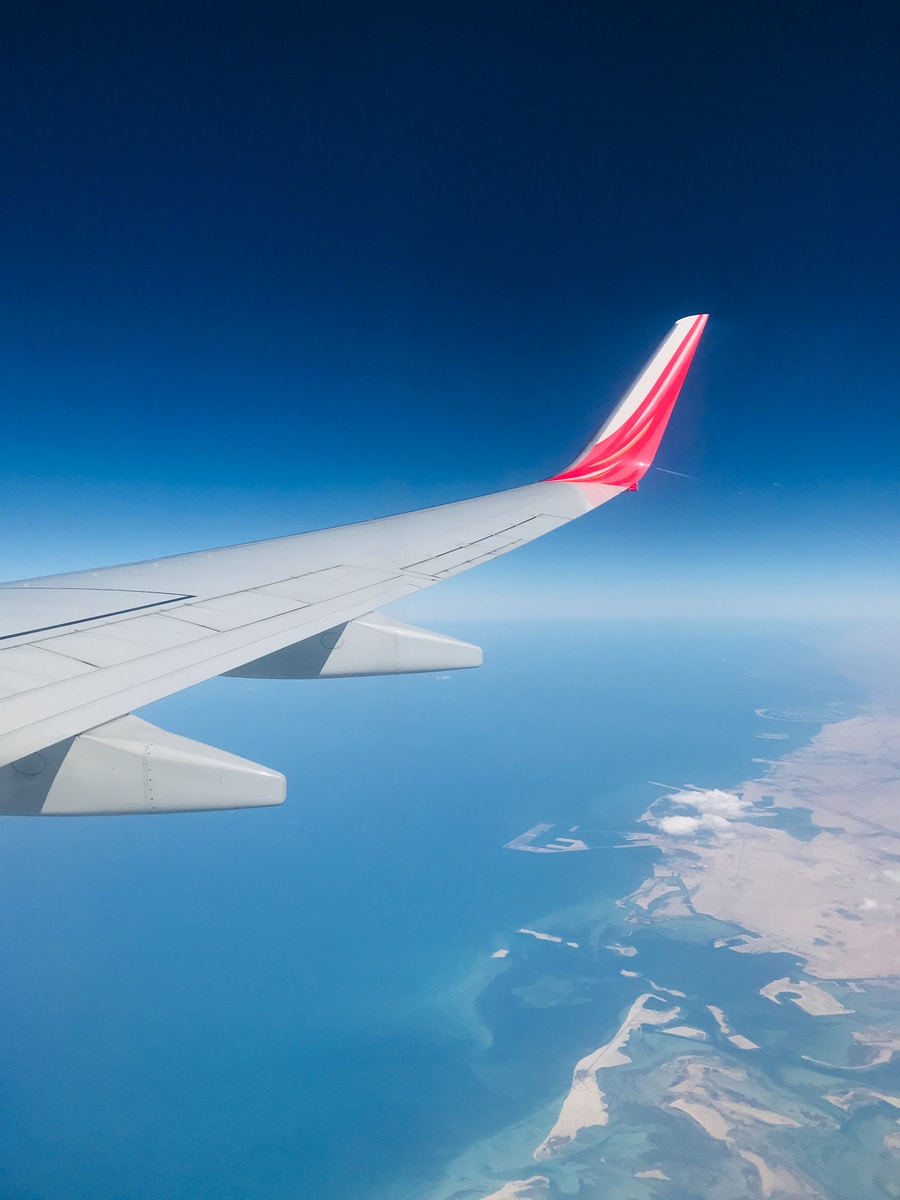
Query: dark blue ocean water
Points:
[280, 1003]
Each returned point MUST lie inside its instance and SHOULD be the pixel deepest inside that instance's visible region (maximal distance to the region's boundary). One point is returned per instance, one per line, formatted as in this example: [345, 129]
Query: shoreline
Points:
[845, 777]
[585, 1105]
[836, 909]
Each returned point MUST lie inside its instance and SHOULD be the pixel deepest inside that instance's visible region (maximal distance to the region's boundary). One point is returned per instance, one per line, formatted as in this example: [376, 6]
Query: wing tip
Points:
[621, 452]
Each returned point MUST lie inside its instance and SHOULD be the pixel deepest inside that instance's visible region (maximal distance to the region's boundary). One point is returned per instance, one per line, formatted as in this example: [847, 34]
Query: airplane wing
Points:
[79, 652]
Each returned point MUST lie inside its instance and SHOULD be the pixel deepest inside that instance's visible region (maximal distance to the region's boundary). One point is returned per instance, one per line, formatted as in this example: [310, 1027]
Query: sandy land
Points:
[739, 1109]
[541, 937]
[707, 1094]
[658, 987]
[630, 974]
[585, 1105]
[820, 1062]
[808, 996]
[500, 953]
[719, 1017]
[858, 1097]
[656, 888]
[742, 1043]
[736, 1039]
[685, 1031]
[776, 1181]
[710, 1120]
[654, 1174]
[885, 1044]
[625, 951]
[838, 899]
[714, 1096]
[535, 1188]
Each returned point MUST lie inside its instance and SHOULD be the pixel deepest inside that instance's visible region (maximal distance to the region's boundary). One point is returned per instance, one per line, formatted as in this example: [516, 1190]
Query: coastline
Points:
[695, 880]
[585, 1106]
[837, 907]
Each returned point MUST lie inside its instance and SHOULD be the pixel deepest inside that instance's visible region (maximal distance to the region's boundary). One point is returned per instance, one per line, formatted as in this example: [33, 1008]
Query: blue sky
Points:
[286, 267]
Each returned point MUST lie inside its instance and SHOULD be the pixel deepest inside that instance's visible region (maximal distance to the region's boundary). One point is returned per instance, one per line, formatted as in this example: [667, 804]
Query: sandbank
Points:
[658, 987]
[885, 1044]
[657, 887]
[857, 1097]
[714, 1106]
[585, 1105]
[736, 1039]
[708, 1118]
[535, 1188]
[742, 1043]
[808, 996]
[775, 1180]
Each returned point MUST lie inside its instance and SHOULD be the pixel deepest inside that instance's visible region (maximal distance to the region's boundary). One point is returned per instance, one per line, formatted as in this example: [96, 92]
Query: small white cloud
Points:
[710, 800]
[680, 826]
[869, 905]
[714, 821]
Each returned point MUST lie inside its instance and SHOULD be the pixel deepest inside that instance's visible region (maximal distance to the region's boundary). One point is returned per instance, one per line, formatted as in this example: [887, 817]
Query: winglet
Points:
[622, 451]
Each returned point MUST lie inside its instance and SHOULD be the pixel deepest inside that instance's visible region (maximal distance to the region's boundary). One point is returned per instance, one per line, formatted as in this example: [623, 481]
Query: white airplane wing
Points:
[79, 652]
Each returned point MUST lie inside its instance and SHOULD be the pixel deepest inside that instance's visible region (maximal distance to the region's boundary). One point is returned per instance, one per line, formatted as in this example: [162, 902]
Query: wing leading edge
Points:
[79, 652]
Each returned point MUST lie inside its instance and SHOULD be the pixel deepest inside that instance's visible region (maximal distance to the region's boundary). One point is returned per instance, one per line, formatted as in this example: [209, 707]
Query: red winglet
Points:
[623, 450]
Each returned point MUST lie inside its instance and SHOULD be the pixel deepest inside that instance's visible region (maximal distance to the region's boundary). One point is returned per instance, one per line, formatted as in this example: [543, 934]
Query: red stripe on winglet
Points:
[624, 456]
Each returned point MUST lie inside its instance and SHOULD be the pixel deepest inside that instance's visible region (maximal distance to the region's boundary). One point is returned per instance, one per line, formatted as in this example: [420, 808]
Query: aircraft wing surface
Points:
[79, 652]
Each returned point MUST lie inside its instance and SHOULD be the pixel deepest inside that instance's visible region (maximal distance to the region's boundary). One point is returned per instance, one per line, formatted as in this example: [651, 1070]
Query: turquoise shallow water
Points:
[283, 1003]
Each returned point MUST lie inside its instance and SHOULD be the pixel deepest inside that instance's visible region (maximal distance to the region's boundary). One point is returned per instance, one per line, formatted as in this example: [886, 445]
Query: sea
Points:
[301, 1003]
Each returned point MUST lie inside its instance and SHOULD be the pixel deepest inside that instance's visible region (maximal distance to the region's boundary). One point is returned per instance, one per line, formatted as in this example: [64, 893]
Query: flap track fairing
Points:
[130, 766]
[370, 645]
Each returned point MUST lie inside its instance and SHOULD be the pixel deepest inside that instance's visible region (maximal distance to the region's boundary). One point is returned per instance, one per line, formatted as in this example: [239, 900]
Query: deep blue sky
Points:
[271, 267]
